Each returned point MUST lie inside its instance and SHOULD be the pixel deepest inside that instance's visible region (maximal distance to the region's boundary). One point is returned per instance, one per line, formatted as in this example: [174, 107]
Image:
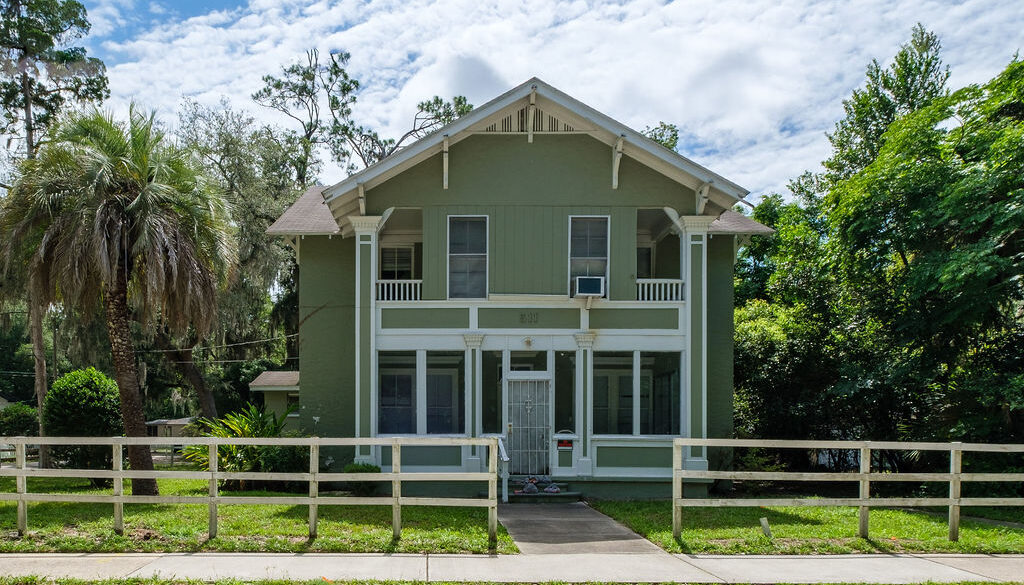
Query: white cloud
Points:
[756, 84]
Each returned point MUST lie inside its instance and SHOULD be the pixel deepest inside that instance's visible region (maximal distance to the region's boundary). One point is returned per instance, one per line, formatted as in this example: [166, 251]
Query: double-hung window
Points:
[396, 263]
[467, 257]
[588, 248]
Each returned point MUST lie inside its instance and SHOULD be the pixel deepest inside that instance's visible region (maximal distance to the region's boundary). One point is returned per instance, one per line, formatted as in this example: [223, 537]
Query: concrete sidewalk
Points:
[611, 567]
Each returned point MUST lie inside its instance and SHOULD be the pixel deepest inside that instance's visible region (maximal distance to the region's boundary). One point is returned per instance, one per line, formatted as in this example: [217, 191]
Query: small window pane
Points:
[468, 235]
[565, 391]
[588, 248]
[491, 399]
[396, 264]
[660, 393]
[613, 393]
[643, 262]
[396, 404]
[446, 392]
[467, 277]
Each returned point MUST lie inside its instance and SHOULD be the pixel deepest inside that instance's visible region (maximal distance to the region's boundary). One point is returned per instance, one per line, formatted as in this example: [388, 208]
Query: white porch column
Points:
[694, 269]
[584, 398]
[365, 228]
[474, 409]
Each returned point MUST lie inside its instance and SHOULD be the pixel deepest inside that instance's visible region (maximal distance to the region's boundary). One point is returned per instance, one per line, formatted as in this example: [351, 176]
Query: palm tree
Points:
[127, 225]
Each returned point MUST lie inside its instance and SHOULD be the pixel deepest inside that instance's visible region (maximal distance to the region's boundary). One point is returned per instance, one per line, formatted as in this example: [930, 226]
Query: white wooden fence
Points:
[21, 472]
[955, 477]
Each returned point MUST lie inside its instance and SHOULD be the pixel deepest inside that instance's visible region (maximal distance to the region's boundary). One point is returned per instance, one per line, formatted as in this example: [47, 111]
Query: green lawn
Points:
[64, 527]
[806, 530]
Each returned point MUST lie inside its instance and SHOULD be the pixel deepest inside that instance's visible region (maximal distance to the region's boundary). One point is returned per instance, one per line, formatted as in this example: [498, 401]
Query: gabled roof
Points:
[570, 113]
[308, 216]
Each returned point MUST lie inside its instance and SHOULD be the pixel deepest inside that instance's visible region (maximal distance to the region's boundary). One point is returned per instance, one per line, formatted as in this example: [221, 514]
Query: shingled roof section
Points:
[275, 380]
[309, 216]
[731, 222]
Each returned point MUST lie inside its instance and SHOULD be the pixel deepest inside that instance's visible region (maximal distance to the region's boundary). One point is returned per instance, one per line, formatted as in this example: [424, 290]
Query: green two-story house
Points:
[535, 271]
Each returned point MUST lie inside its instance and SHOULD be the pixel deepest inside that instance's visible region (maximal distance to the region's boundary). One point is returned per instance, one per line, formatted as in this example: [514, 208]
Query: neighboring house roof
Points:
[733, 223]
[308, 216]
[3, 403]
[275, 381]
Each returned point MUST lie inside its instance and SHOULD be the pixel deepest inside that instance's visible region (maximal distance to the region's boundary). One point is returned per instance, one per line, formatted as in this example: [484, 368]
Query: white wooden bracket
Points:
[362, 199]
[702, 196]
[530, 114]
[444, 156]
[616, 159]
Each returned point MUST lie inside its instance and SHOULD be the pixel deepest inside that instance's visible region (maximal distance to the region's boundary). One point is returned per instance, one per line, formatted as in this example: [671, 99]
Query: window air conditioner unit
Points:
[589, 286]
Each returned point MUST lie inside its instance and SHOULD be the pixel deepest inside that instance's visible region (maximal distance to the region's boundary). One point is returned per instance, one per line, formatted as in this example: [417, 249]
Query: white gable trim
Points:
[551, 100]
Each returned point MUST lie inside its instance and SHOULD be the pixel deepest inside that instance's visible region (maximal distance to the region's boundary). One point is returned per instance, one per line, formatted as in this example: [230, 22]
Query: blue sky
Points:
[753, 84]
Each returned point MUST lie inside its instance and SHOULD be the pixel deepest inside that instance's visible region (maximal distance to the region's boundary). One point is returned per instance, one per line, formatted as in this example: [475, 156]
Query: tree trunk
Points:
[115, 304]
[30, 132]
[39, 357]
[182, 361]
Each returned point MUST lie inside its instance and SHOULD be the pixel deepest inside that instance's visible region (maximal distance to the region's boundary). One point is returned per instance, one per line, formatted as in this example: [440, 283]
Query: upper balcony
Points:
[453, 258]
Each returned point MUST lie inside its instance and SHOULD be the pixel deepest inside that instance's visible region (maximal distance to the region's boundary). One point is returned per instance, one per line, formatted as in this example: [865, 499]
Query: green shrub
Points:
[362, 488]
[83, 403]
[252, 421]
[19, 420]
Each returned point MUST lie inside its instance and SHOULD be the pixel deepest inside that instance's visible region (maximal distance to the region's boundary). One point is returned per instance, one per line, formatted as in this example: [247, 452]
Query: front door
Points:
[529, 436]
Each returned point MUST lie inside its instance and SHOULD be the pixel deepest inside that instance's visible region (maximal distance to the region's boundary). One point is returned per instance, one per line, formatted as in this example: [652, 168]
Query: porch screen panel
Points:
[660, 393]
[588, 248]
[613, 393]
[446, 392]
[490, 395]
[396, 388]
[467, 257]
[565, 391]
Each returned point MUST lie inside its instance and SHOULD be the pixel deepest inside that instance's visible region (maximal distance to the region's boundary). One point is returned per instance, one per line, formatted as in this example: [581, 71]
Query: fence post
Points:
[396, 490]
[865, 490]
[21, 484]
[955, 464]
[492, 492]
[314, 486]
[118, 467]
[214, 466]
[677, 490]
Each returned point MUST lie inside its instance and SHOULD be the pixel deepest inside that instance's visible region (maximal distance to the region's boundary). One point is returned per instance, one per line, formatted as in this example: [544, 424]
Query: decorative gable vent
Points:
[516, 123]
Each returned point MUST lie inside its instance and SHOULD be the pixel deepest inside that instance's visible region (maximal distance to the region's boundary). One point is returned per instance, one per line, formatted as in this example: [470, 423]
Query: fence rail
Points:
[21, 472]
[864, 476]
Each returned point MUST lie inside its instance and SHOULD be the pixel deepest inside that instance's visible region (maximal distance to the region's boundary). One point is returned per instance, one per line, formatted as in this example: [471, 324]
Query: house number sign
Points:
[529, 317]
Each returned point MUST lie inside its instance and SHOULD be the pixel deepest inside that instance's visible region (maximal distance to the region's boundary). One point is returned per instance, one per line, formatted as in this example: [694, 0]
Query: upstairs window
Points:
[396, 263]
[588, 248]
[467, 257]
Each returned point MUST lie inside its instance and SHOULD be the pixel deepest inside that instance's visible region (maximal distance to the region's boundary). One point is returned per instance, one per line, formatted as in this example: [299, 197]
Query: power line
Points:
[224, 361]
[194, 349]
[17, 373]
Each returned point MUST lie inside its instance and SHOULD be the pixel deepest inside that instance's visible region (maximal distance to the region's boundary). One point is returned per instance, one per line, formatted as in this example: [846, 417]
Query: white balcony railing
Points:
[659, 289]
[399, 290]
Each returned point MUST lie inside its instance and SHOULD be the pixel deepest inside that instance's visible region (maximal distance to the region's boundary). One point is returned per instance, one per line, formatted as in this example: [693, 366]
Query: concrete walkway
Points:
[574, 528]
[623, 568]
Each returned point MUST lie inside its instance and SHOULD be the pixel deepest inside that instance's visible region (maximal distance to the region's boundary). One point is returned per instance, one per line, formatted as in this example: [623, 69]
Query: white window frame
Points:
[412, 259]
[607, 253]
[448, 256]
[419, 391]
[415, 397]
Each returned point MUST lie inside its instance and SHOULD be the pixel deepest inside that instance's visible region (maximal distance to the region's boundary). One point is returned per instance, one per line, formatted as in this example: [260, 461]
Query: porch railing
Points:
[21, 472]
[659, 289]
[864, 476]
[399, 290]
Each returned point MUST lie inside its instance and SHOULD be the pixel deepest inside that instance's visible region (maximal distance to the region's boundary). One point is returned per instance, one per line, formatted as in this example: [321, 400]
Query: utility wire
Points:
[17, 373]
[223, 361]
[194, 349]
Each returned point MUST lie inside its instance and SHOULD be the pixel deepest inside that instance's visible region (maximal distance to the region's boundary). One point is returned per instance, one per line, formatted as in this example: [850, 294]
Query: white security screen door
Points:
[529, 437]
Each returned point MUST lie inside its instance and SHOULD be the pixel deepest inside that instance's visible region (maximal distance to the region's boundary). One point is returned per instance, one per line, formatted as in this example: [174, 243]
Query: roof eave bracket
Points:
[616, 159]
[444, 157]
[530, 114]
[703, 196]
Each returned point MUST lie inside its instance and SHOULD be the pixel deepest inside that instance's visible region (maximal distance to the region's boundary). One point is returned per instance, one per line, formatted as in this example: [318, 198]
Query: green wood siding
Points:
[327, 367]
[528, 318]
[720, 345]
[432, 318]
[433, 456]
[634, 318]
[528, 191]
[695, 299]
[634, 457]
